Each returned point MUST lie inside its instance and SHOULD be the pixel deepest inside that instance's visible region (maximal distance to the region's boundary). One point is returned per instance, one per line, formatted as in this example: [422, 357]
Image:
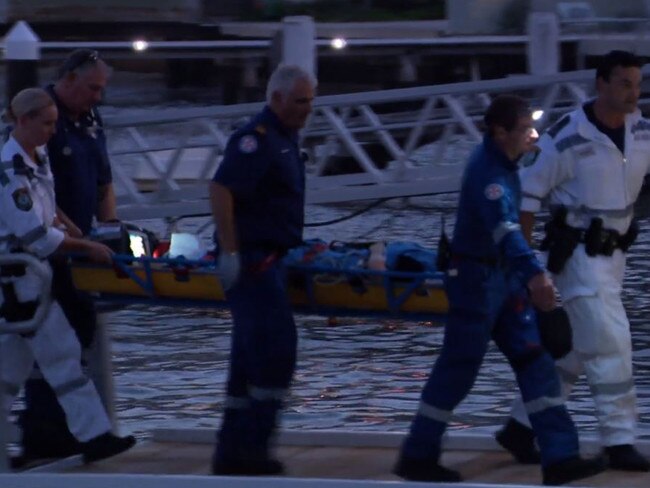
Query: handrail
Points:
[172, 153]
[510, 83]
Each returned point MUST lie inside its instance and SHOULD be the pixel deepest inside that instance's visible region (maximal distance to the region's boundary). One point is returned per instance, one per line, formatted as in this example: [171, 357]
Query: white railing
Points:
[173, 153]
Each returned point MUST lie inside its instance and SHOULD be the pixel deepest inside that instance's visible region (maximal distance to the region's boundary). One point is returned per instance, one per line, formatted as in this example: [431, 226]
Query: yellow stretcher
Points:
[324, 291]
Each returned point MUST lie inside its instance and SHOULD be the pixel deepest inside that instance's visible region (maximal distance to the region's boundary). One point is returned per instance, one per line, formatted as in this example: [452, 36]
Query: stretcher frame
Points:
[327, 291]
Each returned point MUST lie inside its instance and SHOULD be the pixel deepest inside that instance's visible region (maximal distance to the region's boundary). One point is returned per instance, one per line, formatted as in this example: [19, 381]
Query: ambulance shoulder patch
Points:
[494, 191]
[22, 199]
[248, 144]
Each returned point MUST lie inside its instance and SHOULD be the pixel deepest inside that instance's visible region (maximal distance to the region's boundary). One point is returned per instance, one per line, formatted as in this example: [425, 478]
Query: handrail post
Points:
[22, 53]
[100, 366]
[543, 51]
[4, 435]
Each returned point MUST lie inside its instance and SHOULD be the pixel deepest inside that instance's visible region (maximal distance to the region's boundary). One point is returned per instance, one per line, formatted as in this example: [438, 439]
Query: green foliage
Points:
[349, 10]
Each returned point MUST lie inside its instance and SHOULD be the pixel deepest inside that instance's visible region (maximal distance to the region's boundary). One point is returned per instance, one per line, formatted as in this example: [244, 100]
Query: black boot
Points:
[247, 467]
[626, 458]
[104, 446]
[17, 462]
[572, 469]
[424, 470]
[519, 441]
[45, 433]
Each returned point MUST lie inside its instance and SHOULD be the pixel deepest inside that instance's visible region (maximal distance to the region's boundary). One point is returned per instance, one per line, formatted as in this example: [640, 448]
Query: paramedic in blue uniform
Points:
[257, 197]
[492, 278]
[592, 164]
[31, 223]
[83, 187]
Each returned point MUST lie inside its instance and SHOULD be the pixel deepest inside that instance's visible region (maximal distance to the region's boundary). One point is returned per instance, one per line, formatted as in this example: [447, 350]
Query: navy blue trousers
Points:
[262, 358]
[483, 305]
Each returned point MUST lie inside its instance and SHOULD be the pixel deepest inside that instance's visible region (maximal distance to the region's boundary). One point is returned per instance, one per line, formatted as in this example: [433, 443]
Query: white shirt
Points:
[27, 211]
[581, 168]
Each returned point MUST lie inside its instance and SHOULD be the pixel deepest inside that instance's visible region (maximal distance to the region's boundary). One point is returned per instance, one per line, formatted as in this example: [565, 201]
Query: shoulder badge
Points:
[494, 191]
[558, 126]
[22, 199]
[248, 144]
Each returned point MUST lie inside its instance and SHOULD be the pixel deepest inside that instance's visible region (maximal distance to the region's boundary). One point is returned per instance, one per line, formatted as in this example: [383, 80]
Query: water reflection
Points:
[171, 364]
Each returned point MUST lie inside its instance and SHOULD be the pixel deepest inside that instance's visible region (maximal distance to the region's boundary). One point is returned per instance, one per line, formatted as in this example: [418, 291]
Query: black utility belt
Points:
[561, 239]
[598, 240]
[13, 270]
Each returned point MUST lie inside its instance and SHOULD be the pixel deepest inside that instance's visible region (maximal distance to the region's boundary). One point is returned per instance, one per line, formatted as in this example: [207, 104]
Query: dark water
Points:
[171, 364]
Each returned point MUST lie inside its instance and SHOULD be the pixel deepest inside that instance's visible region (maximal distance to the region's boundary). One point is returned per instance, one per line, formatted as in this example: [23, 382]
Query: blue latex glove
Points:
[228, 269]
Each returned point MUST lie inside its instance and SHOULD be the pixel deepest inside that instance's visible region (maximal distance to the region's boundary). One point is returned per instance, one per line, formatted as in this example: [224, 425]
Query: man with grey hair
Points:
[257, 197]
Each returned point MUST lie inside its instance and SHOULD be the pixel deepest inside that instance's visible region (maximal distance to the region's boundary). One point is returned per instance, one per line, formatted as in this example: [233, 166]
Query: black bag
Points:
[555, 332]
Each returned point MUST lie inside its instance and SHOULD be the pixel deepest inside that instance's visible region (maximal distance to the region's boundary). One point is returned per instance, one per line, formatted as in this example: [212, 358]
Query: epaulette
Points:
[4, 179]
[18, 162]
[555, 129]
[260, 129]
[20, 167]
[570, 141]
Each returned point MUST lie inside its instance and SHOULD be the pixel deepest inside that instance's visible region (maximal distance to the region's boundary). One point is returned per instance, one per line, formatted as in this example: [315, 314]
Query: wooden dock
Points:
[312, 459]
[347, 463]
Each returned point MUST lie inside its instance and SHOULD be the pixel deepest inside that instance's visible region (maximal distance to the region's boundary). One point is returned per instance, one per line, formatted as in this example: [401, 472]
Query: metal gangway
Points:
[404, 142]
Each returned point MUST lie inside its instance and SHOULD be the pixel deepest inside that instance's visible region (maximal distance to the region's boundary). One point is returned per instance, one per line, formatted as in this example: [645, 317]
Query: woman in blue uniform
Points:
[492, 279]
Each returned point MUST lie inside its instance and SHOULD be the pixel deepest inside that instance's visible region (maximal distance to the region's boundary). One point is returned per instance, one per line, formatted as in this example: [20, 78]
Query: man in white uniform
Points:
[590, 170]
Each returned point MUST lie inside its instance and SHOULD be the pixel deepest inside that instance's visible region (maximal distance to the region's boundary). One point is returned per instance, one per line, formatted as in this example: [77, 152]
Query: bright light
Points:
[140, 45]
[136, 244]
[537, 114]
[338, 43]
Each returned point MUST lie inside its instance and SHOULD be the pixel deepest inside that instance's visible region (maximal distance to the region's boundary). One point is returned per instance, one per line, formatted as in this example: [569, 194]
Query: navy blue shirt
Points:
[80, 164]
[263, 169]
[487, 225]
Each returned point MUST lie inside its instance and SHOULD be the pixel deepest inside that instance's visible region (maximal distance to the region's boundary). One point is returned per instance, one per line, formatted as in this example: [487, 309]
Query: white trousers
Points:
[602, 349]
[57, 351]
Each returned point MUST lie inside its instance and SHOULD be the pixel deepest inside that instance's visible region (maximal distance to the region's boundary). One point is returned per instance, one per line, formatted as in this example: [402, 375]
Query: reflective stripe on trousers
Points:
[56, 349]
